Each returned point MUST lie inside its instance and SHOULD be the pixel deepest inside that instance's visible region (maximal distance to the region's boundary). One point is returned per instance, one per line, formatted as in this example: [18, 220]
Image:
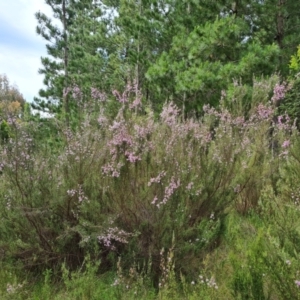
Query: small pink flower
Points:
[189, 186]
[264, 112]
[154, 200]
[279, 92]
[286, 144]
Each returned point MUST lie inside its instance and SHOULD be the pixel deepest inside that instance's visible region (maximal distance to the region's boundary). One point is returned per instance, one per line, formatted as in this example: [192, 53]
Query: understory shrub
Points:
[122, 187]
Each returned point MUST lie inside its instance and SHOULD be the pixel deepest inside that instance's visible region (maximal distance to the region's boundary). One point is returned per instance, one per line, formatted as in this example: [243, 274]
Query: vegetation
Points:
[169, 164]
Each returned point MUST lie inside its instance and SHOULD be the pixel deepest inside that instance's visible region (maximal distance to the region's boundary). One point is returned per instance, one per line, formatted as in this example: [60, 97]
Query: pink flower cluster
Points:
[279, 92]
[286, 144]
[112, 235]
[169, 191]
[157, 179]
[283, 122]
[77, 192]
[169, 114]
[265, 112]
[98, 95]
[131, 157]
[126, 96]
[121, 136]
[75, 90]
[112, 170]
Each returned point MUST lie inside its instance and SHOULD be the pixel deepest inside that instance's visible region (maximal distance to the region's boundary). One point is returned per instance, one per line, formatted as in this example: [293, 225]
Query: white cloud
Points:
[19, 15]
[21, 67]
[20, 46]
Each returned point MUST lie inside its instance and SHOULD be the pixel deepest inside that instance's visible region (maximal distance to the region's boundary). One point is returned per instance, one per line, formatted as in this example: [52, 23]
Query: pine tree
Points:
[74, 57]
[216, 42]
[55, 67]
[89, 46]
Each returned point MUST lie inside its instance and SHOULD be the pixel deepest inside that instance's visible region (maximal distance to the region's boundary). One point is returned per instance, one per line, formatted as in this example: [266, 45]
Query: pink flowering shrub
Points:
[124, 184]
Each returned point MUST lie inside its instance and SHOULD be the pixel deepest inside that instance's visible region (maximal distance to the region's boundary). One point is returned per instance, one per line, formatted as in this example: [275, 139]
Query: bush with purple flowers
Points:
[221, 185]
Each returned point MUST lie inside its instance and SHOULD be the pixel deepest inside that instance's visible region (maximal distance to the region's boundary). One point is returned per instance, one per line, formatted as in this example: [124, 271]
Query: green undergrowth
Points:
[251, 262]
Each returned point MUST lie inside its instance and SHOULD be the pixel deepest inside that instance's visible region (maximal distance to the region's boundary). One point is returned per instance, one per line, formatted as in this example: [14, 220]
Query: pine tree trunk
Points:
[66, 81]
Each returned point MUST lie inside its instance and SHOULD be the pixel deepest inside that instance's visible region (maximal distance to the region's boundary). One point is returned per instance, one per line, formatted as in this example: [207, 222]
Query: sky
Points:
[20, 46]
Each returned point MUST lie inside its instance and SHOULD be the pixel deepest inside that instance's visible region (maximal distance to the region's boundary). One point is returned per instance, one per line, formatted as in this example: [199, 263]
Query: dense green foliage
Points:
[184, 51]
